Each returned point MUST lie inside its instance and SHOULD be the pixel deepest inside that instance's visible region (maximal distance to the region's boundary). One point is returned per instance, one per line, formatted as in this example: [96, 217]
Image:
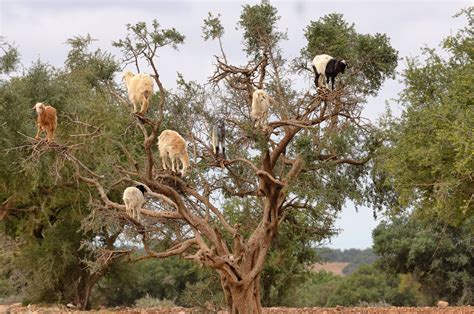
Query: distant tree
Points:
[169, 279]
[426, 172]
[427, 161]
[315, 291]
[367, 285]
[437, 255]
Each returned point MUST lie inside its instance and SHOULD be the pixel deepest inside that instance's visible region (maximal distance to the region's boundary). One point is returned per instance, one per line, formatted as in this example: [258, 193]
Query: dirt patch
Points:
[335, 268]
[33, 309]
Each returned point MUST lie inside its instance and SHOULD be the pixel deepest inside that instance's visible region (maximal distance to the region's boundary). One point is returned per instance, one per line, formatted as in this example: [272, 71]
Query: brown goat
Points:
[47, 120]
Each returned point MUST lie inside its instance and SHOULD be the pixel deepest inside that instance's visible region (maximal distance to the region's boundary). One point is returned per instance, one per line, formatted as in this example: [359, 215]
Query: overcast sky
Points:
[40, 28]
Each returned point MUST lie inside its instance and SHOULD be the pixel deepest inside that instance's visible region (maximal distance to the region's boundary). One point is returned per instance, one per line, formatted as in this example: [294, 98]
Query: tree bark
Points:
[84, 289]
[243, 299]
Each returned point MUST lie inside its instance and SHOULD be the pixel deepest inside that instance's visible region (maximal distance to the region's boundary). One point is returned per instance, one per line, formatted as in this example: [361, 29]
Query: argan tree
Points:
[299, 169]
[428, 168]
[42, 211]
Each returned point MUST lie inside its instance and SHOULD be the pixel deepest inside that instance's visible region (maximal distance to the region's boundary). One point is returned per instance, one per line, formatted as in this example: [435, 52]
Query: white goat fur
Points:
[133, 199]
[140, 90]
[47, 120]
[260, 105]
[173, 147]
[320, 62]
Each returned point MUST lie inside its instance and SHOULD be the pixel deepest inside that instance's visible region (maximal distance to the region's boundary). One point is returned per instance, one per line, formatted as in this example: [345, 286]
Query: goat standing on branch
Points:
[47, 120]
[260, 105]
[172, 146]
[134, 198]
[326, 67]
[218, 139]
[140, 90]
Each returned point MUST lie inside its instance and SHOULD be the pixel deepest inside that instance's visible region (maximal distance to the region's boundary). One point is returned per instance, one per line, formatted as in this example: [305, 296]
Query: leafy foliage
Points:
[438, 256]
[428, 157]
[426, 166]
[179, 281]
[95, 67]
[367, 285]
[260, 29]
[144, 41]
[212, 28]
[9, 58]
[315, 291]
[45, 211]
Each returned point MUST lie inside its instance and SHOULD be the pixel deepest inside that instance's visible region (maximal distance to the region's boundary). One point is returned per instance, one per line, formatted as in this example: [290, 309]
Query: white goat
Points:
[47, 120]
[140, 90]
[173, 147]
[327, 68]
[134, 198]
[260, 105]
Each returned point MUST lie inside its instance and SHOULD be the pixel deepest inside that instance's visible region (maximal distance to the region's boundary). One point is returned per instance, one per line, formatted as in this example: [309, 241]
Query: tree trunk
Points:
[83, 290]
[243, 299]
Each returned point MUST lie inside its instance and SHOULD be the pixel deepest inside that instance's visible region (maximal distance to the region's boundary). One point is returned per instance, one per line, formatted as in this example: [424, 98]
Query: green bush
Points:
[368, 285]
[149, 302]
[316, 290]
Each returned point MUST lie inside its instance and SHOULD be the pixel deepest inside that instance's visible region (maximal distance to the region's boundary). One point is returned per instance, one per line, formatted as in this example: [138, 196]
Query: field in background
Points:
[334, 267]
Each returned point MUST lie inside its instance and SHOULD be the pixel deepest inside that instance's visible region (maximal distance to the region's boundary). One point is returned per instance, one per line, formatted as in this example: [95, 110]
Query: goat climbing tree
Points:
[312, 155]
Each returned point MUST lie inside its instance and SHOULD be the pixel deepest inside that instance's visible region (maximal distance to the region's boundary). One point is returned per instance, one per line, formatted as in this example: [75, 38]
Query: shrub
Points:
[149, 302]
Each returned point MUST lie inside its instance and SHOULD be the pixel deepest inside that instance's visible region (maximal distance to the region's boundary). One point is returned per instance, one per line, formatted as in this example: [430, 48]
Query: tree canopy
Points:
[428, 159]
[437, 256]
[426, 168]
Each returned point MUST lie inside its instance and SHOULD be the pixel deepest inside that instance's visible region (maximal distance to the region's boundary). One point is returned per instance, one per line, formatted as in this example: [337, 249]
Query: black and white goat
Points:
[326, 67]
[218, 139]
